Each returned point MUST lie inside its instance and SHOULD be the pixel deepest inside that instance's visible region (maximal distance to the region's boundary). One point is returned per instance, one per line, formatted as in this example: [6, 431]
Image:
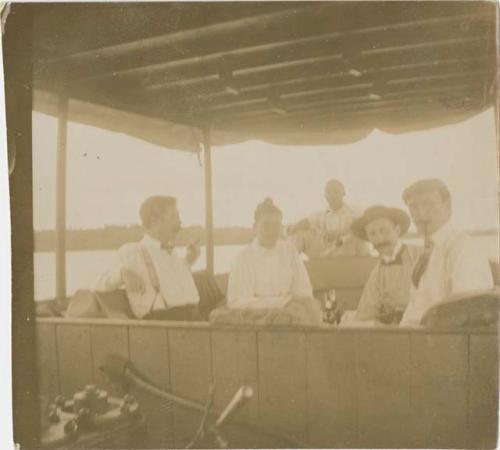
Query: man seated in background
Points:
[387, 290]
[157, 281]
[451, 262]
[268, 282]
[327, 233]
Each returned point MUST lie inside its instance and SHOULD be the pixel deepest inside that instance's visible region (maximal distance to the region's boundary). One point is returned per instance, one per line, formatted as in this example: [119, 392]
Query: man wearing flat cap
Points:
[451, 262]
[387, 290]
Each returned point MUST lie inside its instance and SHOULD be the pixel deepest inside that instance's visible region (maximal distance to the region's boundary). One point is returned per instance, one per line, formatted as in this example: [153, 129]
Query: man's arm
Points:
[192, 252]
[301, 225]
[111, 279]
[301, 284]
[120, 274]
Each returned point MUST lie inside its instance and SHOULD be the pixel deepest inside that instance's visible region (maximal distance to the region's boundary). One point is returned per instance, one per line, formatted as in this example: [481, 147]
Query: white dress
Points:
[266, 278]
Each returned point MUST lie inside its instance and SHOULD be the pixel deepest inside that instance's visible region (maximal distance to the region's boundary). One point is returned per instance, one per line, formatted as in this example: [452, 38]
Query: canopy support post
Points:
[62, 128]
[209, 222]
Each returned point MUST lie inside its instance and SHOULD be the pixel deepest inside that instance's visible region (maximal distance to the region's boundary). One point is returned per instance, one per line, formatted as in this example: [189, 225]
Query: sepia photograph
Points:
[268, 224]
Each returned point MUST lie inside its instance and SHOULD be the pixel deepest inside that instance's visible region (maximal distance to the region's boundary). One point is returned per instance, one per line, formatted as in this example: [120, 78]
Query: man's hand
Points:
[133, 282]
[192, 252]
[389, 315]
[299, 226]
[333, 237]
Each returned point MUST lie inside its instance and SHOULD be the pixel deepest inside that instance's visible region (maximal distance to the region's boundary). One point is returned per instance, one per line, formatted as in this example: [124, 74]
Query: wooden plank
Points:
[47, 365]
[190, 375]
[190, 365]
[148, 348]
[282, 381]
[75, 358]
[108, 340]
[483, 391]
[331, 390]
[383, 388]
[438, 390]
[234, 362]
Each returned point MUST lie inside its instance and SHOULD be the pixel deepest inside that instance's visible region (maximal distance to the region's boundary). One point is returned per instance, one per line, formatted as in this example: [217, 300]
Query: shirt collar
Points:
[339, 211]
[255, 244]
[395, 252]
[443, 234]
[150, 241]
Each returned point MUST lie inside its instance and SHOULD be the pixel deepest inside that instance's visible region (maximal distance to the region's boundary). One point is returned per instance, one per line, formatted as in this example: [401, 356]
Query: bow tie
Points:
[421, 264]
[397, 261]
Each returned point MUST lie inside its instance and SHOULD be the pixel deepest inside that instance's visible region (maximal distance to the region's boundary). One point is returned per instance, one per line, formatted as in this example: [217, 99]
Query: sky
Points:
[110, 174]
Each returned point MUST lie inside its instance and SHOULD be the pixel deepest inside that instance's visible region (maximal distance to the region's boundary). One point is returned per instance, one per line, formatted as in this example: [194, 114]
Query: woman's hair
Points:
[266, 207]
[153, 207]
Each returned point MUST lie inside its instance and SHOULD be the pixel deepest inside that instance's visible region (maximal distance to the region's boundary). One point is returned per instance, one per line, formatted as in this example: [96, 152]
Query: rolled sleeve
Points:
[111, 279]
[301, 285]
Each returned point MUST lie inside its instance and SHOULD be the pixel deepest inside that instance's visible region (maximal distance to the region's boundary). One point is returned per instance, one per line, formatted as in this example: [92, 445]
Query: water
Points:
[84, 267]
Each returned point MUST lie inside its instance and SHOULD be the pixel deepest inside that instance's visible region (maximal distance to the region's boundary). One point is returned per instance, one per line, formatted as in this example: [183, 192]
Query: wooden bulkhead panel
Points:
[328, 388]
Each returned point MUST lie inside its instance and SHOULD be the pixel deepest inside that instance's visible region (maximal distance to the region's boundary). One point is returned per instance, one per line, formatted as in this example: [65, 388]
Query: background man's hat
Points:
[396, 215]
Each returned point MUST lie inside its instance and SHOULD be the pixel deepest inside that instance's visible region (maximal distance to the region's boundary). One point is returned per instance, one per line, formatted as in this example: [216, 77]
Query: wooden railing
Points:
[386, 387]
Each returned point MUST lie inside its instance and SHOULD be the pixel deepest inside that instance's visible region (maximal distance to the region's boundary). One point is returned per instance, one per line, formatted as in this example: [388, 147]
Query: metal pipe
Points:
[209, 223]
[61, 198]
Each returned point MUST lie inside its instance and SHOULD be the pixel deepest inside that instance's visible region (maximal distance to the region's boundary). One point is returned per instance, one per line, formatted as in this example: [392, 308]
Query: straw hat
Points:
[396, 215]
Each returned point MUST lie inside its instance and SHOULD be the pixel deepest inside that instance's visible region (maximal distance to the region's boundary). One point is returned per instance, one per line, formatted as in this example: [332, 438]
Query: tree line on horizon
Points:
[114, 236]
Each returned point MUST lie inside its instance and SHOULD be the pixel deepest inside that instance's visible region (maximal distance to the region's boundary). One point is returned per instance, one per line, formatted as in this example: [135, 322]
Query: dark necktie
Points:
[421, 265]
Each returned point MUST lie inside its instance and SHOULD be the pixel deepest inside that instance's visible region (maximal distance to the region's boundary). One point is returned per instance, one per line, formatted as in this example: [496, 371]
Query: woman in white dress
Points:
[268, 282]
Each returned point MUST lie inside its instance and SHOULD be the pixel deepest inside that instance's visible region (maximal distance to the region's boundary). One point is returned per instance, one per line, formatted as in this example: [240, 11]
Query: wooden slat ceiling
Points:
[271, 70]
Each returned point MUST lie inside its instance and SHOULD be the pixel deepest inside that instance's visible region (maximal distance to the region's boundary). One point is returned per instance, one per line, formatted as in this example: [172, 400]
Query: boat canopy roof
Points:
[291, 73]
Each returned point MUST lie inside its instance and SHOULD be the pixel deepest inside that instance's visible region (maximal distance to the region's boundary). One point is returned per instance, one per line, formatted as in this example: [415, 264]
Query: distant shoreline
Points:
[112, 237]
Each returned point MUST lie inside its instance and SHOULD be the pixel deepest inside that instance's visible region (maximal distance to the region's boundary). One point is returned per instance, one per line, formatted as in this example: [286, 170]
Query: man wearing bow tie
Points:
[451, 263]
[155, 278]
[386, 292]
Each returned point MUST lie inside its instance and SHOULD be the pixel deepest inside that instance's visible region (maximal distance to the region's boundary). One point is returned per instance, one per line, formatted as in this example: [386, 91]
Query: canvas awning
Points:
[283, 72]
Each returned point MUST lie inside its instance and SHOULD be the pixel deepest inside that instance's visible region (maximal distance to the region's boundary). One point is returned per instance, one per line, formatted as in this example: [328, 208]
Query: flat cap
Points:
[426, 185]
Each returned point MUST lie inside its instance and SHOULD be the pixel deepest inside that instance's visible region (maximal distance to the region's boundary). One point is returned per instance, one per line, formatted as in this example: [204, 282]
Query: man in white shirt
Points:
[451, 262]
[327, 232]
[155, 278]
[387, 291]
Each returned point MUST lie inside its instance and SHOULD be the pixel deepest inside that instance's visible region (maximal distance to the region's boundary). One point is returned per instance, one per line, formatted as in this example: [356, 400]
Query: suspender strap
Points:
[153, 277]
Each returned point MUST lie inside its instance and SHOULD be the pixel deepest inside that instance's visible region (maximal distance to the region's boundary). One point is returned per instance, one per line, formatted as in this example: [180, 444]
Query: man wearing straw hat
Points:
[386, 292]
[451, 262]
